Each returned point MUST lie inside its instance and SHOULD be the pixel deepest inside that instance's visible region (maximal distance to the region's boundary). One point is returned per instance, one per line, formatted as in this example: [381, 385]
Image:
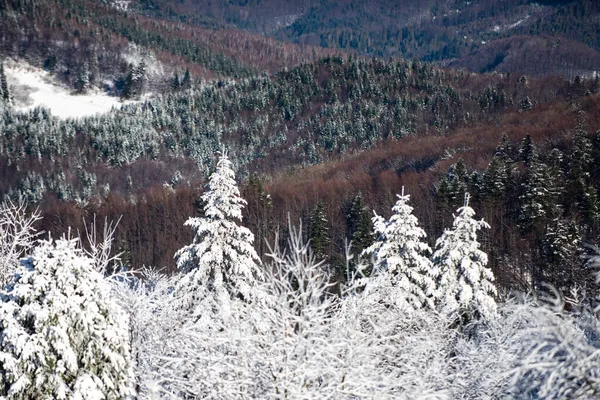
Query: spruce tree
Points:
[187, 79]
[495, 179]
[360, 226]
[221, 262]
[61, 334]
[464, 283]
[400, 253]
[319, 231]
[560, 251]
[4, 93]
[527, 151]
[535, 196]
[580, 187]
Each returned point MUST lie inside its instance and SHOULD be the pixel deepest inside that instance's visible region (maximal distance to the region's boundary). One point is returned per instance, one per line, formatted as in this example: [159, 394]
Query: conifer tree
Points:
[360, 226]
[187, 79]
[580, 187]
[221, 263]
[4, 93]
[560, 250]
[61, 335]
[82, 82]
[527, 151]
[319, 231]
[401, 253]
[536, 197]
[464, 283]
[495, 179]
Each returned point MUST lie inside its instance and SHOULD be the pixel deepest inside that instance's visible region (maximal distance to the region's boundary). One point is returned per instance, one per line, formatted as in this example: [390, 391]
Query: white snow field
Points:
[33, 87]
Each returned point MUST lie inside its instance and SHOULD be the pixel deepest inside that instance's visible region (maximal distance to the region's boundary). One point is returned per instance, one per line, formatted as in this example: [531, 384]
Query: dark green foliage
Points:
[82, 82]
[359, 225]
[527, 151]
[187, 79]
[560, 251]
[452, 187]
[582, 193]
[535, 196]
[319, 232]
[4, 93]
[134, 80]
[495, 179]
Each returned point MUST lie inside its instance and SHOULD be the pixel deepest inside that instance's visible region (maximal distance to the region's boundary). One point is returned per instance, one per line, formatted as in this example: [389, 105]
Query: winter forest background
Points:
[286, 199]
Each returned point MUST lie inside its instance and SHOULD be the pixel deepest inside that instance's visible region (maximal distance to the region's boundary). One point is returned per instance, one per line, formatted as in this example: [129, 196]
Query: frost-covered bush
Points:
[529, 350]
[61, 335]
[16, 236]
[153, 319]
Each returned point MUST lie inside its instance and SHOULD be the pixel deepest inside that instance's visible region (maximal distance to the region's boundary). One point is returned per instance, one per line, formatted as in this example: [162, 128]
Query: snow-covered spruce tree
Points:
[61, 335]
[464, 283]
[221, 263]
[401, 253]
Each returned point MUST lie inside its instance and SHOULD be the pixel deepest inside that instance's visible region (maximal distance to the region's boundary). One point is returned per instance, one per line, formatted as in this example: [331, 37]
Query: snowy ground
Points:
[33, 87]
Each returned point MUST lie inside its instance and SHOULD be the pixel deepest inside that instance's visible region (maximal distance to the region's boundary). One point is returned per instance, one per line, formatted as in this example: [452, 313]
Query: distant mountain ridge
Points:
[454, 32]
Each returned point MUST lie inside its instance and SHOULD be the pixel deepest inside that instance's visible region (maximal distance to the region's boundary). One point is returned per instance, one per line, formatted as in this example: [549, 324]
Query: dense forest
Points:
[150, 157]
[481, 35]
[402, 199]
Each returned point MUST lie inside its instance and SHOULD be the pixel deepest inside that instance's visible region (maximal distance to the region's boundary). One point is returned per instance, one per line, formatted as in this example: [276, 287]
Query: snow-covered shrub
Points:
[529, 350]
[16, 236]
[391, 350]
[61, 335]
[153, 322]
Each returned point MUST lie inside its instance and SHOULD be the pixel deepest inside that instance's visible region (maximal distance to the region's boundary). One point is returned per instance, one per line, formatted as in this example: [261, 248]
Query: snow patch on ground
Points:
[34, 87]
[519, 22]
[122, 5]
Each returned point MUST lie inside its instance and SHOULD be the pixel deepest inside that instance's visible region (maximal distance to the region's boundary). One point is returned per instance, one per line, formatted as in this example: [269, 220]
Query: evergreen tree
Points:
[555, 184]
[360, 226]
[319, 231]
[401, 253]
[221, 263]
[61, 335]
[175, 82]
[82, 82]
[503, 149]
[4, 93]
[453, 186]
[464, 283]
[187, 79]
[535, 196]
[527, 151]
[580, 186]
[495, 179]
[560, 250]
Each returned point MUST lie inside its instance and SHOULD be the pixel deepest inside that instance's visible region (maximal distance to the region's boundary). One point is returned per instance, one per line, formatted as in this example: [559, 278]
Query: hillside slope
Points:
[427, 30]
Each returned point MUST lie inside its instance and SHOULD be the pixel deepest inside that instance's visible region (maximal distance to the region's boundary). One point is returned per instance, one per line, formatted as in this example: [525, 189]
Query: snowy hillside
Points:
[33, 87]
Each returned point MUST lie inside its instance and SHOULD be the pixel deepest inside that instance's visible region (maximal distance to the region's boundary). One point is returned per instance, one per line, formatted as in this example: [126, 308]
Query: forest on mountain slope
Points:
[387, 124]
[458, 31]
[88, 43]
[275, 213]
[334, 137]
